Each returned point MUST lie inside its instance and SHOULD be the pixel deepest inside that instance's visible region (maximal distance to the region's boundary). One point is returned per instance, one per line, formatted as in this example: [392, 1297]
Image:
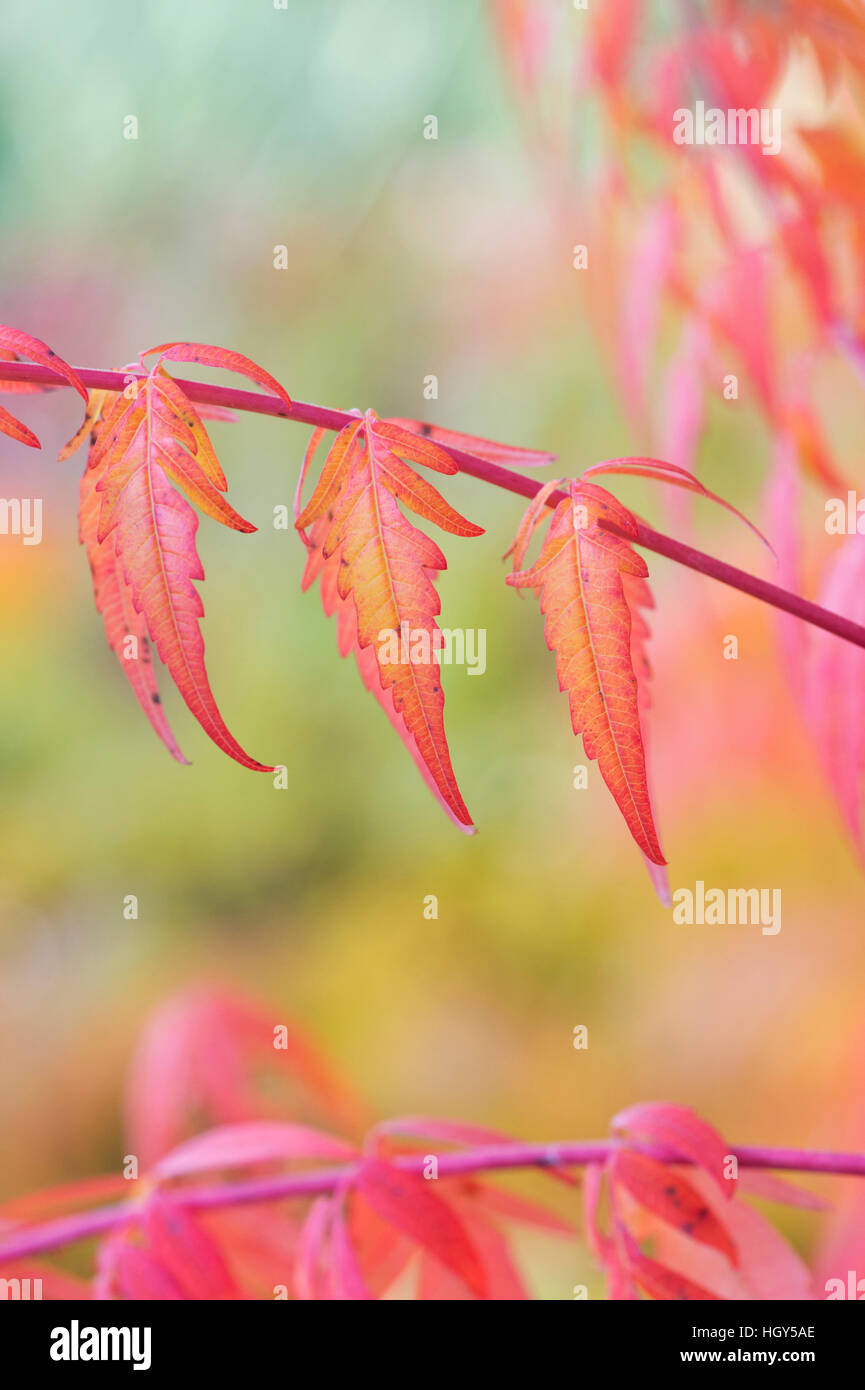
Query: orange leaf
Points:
[377, 572]
[141, 535]
[579, 574]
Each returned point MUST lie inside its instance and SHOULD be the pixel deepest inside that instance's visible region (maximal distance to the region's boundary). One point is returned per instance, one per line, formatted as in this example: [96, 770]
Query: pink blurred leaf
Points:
[410, 1205]
[639, 310]
[672, 1198]
[203, 1052]
[768, 1186]
[681, 1130]
[835, 687]
[185, 1251]
[241, 1145]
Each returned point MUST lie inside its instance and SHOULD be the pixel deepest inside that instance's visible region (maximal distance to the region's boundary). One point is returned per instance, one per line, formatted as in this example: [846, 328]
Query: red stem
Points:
[306, 414]
[486, 1158]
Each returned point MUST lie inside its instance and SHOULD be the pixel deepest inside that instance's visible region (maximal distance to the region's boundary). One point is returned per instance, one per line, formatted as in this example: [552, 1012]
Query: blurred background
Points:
[406, 257]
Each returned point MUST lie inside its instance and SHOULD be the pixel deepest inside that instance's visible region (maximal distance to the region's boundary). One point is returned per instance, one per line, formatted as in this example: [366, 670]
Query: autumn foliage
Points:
[150, 459]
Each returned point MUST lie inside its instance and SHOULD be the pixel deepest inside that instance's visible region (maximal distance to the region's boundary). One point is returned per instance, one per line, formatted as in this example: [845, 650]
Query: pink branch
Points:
[253, 401]
[486, 1158]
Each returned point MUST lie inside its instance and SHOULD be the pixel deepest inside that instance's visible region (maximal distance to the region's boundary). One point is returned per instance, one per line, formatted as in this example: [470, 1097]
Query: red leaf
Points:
[469, 444]
[679, 1129]
[310, 1275]
[130, 1271]
[662, 1283]
[770, 1188]
[346, 1276]
[210, 356]
[16, 430]
[409, 1204]
[16, 345]
[124, 625]
[200, 1055]
[504, 1281]
[663, 472]
[185, 1251]
[671, 1197]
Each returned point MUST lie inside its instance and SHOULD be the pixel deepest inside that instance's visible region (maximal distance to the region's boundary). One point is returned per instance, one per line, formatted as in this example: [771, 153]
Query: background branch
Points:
[484, 1158]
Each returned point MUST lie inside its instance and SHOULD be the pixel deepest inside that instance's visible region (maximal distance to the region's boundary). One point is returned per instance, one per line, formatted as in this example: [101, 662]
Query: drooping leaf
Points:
[164, 1253]
[125, 626]
[209, 1052]
[668, 1195]
[660, 1282]
[638, 597]
[184, 1250]
[128, 1270]
[70, 1196]
[683, 1132]
[346, 1276]
[140, 536]
[209, 356]
[770, 1188]
[258, 1243]
[368, 552]
[835, 687]
[310, 1272]
[588, 626]
[15, 345]
[243, 1145]
[662, 472]
[640, 307]
[412, 1207]
[16, 430]
[487, 449]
